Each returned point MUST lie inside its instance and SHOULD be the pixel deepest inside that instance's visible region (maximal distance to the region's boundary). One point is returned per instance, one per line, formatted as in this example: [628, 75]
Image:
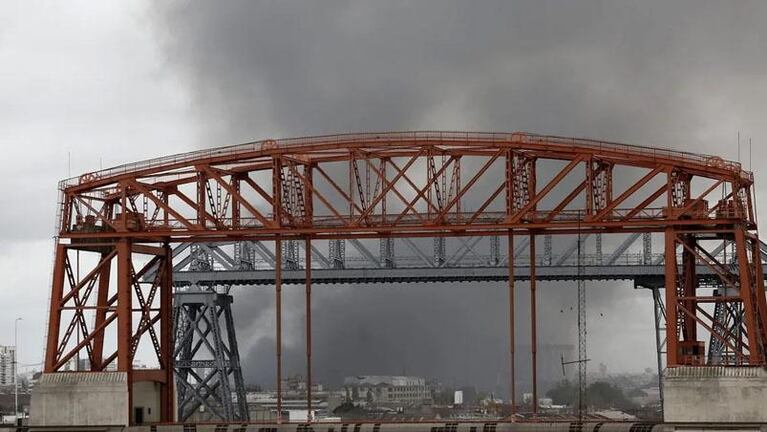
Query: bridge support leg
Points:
[308, 270]
[691, 308]
[512, 322]
[278, 319]
[533, 324]
[752, 295]
[671, 298]
[660, 340]
[134, 308]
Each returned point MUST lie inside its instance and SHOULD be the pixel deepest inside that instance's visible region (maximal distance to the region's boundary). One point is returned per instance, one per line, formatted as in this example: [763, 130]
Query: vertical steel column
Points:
[309, 214]
[278, 319]
[384, 162]
[234, 362]
[202, 183]
[592, 190]
[761, 300]
[439, 251]
[672, 350]
[165, 214]
[582, 330]
[690, 280]
[598, 246]
[166, 333]
[512, 316]
[647, 248]
[124, 305]
[125, 317]
[308, 269]
[533, 325]
[54, 319]
[236, 207]
[351, 167]
[102, 296]
[547, 253]
[386, 252]
[219, 354]
[277, 209]
[181, 351]
[749, 308]
[659, 316]
[337, 253]
[512, 376]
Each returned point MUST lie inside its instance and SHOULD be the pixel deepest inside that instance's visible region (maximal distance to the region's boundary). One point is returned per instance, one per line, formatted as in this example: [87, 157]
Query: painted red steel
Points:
[402, 184]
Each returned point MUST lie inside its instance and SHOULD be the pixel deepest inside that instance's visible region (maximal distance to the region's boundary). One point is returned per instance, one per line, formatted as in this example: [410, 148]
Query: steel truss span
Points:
[462, 259]
[515, 186]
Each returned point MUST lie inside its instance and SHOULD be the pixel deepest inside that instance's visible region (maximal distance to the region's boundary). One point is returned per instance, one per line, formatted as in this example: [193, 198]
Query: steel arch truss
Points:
[428, 184]
[405, 185]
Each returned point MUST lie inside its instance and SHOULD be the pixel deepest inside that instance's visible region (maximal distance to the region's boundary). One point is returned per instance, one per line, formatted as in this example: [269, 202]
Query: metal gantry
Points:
[401, 187]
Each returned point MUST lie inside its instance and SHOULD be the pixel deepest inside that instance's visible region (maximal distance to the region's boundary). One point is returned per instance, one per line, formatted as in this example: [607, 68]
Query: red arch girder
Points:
[389, 183]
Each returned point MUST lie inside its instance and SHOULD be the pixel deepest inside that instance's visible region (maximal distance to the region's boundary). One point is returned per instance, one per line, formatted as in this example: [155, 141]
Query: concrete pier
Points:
[715, 394]
[80, 399]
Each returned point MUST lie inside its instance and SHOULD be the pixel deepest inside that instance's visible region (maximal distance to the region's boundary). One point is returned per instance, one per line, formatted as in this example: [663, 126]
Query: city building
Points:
[7, 365]
[297, 384]
[384, 389]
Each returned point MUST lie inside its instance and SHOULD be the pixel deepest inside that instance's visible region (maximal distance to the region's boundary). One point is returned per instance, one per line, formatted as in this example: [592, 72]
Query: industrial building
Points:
[388, 389]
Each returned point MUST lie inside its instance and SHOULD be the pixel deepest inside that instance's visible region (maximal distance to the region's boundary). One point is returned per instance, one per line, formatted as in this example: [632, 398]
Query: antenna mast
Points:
[582, 358]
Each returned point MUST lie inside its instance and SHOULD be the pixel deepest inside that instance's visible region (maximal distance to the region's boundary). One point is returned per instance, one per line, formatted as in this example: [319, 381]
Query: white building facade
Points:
[7, 365]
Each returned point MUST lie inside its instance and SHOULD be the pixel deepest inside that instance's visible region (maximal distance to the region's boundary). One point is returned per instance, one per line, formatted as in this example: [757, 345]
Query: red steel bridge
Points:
[404, 186]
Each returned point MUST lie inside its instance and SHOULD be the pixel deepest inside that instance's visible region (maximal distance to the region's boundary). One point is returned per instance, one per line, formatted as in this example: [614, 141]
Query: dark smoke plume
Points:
[655, 73]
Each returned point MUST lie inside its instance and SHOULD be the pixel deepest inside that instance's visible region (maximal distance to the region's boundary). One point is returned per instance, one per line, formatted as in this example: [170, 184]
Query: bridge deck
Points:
[646, 274]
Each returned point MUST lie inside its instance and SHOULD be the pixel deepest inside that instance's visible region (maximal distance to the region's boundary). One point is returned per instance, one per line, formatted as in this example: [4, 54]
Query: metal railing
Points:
[466, 138]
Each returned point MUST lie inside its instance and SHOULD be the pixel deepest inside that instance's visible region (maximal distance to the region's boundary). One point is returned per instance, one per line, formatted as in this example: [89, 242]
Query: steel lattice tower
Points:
[206, 357]
[582, 333]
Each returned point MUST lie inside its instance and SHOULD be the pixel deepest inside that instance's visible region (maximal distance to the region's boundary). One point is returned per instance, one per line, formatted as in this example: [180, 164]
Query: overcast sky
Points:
[103, 83]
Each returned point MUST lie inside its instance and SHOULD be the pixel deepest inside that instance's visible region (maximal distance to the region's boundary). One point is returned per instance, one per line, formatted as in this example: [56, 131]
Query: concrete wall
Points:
[715, 394]
[80, 398]
[146, 395]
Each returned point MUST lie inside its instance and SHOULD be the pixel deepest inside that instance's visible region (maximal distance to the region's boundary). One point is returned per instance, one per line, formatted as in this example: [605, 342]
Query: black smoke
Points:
[681, 74]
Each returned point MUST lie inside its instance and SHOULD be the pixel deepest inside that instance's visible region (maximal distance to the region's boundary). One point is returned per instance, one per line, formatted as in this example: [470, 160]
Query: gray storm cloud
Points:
[630, 71]
[685, 74]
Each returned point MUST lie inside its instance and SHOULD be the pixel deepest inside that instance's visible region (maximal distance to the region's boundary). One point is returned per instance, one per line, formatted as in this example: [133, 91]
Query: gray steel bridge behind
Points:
[252, 262]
